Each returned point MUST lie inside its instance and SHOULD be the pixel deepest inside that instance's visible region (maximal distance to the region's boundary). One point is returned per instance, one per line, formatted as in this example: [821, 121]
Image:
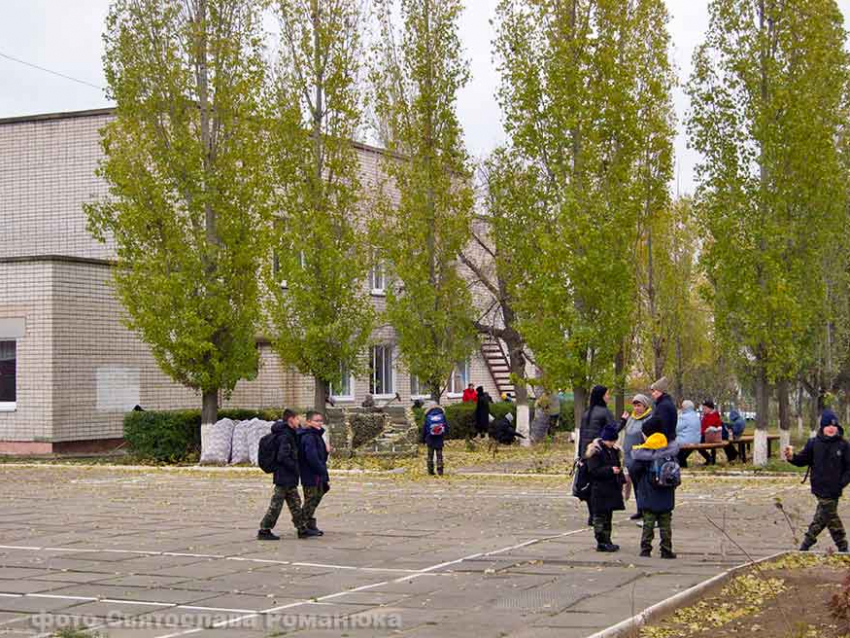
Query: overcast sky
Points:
[64, 36]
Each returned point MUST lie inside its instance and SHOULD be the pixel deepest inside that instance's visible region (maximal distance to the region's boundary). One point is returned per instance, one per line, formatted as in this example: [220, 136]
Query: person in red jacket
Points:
[711, 419]
[469, 395]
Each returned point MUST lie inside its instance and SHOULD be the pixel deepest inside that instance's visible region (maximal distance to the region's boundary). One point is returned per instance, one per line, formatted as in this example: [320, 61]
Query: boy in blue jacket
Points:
[434, 431]
[313, 468]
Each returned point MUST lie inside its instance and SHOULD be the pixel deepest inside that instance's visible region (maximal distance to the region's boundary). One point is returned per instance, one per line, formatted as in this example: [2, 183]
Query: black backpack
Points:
[267, 454]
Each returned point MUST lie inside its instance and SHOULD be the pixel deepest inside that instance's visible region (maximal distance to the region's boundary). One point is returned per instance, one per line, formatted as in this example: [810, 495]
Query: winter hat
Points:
[642, 399]
[709, 404]
[609, 433]
[655, 442]
[661, 385]
[828, 418]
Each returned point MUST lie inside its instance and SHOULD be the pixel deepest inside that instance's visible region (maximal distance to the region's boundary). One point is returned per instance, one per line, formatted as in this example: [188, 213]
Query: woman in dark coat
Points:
[482, 412]
[596, 417]
[606, 486]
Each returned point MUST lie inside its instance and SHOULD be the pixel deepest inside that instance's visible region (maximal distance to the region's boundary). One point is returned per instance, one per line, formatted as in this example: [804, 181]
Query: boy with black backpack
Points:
[656, 474]
[278, 454]
[434, 431]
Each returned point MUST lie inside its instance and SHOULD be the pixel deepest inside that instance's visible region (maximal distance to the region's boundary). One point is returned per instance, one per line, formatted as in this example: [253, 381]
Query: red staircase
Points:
[498, 363]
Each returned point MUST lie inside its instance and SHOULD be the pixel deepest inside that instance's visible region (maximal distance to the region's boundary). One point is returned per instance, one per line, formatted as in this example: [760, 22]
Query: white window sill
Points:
[8, 407]
[383, 397]
[348, 399]
[421, 397]
[379, 292]
[454, 395]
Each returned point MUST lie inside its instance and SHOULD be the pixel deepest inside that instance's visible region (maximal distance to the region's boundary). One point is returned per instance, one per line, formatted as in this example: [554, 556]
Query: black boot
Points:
[806, 544]
[266, 535]
[311, 525]
[666, 553]
[307, 533]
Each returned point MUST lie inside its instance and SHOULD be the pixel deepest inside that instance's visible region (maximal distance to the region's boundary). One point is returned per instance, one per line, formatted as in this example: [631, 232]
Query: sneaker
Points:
[667, 554]
[637, 516]
[646, 553]
[266, 535]
[312, 527]
[842, 547]
[607, 547]
[308, 533]
[806, 546]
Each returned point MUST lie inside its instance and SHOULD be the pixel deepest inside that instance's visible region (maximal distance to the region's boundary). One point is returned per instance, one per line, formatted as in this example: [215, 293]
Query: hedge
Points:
[174, 436]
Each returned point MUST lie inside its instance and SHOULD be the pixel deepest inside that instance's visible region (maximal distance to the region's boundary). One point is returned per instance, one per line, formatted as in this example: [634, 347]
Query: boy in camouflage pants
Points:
[828, 456]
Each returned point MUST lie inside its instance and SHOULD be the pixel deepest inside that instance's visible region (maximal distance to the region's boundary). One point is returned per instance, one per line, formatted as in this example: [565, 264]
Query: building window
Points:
[345, 391]
[381, 382]
[417, 390]
[378, 279]
[8, 383]
[459, 379]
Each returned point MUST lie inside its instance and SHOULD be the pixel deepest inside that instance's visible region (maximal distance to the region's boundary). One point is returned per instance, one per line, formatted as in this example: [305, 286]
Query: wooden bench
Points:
[742, 445]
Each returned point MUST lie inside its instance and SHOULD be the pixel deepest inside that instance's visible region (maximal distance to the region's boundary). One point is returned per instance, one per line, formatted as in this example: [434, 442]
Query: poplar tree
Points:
[767, 92]
[320, 309]
[585, 94]
[183, 163]
[424, 211]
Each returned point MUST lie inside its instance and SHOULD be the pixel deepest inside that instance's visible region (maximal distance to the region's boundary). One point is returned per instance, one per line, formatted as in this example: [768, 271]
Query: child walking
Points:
[606, 486]
[828, 457]
[433, 432]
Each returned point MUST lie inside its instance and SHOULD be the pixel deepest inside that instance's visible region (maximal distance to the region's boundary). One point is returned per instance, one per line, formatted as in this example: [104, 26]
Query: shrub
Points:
[366, 427]
[173, 436]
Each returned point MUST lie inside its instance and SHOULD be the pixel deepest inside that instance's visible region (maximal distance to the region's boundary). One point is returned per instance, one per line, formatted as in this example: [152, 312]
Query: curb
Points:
[628, 628]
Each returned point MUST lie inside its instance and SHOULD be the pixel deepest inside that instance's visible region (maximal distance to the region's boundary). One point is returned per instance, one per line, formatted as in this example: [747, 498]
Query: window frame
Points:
[452, 393]
[344, 397]
[389, 366]
[418, 394]
[378, 273]
[12, 406]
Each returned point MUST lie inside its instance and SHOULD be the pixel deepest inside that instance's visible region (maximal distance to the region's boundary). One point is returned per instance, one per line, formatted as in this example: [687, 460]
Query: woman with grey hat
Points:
[641, 409]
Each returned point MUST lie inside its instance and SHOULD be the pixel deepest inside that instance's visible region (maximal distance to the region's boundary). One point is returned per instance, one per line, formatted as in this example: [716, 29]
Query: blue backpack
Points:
[665, 472]
[436, 422]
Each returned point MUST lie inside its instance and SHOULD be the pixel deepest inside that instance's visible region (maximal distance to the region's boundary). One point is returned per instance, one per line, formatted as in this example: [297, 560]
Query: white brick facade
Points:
[78, 369]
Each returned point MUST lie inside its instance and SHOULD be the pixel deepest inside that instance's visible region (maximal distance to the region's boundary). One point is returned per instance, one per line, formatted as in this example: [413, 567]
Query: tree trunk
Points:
[798, 407]
[620, 397]
[209, 407]
[762, 402]
[517, 363]
[320, 396]
[814, 408]
[784, 415]
[579, 406]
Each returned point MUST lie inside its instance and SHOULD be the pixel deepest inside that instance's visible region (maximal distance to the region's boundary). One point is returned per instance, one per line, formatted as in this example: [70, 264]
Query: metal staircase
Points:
[498, 363]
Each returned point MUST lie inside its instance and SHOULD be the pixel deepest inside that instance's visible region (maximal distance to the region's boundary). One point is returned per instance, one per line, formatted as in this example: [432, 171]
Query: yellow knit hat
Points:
[655, 442]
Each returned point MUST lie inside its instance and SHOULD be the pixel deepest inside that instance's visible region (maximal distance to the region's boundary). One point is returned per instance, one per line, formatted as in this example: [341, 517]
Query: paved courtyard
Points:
[167, 553]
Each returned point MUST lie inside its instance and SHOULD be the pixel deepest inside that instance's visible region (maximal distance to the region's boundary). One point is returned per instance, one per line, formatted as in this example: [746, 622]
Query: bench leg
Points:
[714, 456]
[769, 448]
[742, 449]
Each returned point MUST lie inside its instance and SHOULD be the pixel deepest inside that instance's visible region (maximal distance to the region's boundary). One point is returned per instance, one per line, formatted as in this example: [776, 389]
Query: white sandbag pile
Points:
[216, 441]
[258, 430]
[239, 452]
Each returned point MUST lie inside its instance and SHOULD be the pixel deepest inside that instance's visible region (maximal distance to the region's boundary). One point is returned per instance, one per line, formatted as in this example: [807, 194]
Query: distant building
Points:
[69, 369]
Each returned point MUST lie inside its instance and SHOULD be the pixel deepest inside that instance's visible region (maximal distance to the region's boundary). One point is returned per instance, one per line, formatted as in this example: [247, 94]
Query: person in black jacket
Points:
[313, 469]
[606, 486]
[828, 456]
[285, 480]
[664, 416]
[482, 411]
[595, 418]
